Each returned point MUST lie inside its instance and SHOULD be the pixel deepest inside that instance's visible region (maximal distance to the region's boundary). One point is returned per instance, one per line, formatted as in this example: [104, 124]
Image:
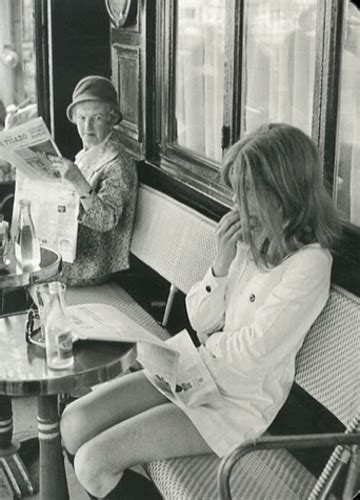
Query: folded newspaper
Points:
[54, 201]
[28, 147]
[174, 366]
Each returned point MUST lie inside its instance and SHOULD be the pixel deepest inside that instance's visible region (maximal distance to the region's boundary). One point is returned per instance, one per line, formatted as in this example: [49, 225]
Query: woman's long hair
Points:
[276, 169]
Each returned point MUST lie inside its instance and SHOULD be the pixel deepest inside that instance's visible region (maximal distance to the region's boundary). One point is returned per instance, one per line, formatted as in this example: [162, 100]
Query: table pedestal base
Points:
[52, 479]
[53, 484]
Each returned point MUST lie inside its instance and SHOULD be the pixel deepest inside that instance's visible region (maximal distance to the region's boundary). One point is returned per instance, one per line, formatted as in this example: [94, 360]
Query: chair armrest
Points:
[276, 442]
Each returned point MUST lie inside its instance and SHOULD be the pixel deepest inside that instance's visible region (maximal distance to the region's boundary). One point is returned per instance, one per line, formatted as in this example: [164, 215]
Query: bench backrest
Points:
[328, 364]
[173, 239]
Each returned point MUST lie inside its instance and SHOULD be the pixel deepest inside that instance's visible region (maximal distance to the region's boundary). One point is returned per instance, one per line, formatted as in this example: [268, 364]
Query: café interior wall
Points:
[80, 47]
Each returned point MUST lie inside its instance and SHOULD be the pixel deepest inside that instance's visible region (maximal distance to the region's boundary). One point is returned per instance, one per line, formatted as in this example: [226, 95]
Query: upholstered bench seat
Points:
[262, 475]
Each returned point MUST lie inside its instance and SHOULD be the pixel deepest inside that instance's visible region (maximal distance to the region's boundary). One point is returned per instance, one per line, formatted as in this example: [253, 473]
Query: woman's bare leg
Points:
[106, 406]
[163, 431]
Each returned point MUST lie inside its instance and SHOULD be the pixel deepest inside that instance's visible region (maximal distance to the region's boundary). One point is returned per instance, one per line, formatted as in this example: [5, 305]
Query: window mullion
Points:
[326, 103]
[233, 69]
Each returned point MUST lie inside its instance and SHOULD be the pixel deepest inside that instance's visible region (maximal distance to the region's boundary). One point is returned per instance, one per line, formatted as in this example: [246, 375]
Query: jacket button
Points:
[252, 298]
[208, 288]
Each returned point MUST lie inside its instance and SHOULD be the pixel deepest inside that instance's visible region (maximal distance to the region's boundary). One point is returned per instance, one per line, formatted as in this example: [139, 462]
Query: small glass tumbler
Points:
[42, 297]
[55, 326]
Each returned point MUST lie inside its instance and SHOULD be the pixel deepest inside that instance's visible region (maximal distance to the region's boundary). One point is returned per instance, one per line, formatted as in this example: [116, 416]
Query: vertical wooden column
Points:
[53, 484]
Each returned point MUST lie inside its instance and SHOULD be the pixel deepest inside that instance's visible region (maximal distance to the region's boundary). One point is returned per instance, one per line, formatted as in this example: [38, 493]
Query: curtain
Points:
[279, 62]
[199, 76]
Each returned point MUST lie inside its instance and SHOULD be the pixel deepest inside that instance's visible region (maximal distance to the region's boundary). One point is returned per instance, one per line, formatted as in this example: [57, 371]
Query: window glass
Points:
[199, 75]
[278, 62]
[348, 150]
[18, 102]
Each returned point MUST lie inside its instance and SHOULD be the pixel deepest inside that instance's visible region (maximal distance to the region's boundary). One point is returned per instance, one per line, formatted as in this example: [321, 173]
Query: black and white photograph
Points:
[179, 249]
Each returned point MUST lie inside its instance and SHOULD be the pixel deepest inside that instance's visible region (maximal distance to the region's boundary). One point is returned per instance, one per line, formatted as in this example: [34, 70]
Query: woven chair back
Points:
[173, 239]
[328, 365]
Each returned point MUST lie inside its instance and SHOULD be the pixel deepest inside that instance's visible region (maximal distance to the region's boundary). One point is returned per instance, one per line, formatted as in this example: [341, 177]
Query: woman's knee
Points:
[72, 425]
[94, 471]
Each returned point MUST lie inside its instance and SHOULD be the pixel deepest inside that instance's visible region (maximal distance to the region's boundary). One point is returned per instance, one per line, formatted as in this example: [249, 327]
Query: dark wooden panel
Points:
[126, 76]
[124, 37]
[42, 60]
[134, 61]
[80, 47]
[187, 193]
[7, 190]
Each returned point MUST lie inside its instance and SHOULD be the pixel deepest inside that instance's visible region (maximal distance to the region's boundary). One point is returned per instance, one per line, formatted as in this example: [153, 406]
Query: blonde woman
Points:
[268, 283]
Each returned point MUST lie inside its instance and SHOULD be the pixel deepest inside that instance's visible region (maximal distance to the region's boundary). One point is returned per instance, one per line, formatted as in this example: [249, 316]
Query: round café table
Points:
[24, 372]
[12, 278]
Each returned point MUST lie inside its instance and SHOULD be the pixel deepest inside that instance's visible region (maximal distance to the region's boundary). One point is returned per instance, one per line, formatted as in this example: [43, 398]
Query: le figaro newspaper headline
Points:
[54, 201]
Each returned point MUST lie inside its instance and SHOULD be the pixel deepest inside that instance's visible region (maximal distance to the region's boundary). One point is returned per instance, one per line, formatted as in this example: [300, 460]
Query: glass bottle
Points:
[4, 241]
[58, 336]
[27, 247]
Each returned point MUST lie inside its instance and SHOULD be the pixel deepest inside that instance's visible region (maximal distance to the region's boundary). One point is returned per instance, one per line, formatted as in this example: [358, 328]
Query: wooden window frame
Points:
[42, 60]
[187, 166]
[326, 115]
[202, 174]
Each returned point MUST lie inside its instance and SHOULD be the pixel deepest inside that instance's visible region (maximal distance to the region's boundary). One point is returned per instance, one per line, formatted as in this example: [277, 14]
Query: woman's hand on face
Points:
[69, 171]
[228, 233]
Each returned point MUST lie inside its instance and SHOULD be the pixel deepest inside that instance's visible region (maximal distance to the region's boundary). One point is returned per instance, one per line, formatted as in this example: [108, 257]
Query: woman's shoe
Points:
[133, 486]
